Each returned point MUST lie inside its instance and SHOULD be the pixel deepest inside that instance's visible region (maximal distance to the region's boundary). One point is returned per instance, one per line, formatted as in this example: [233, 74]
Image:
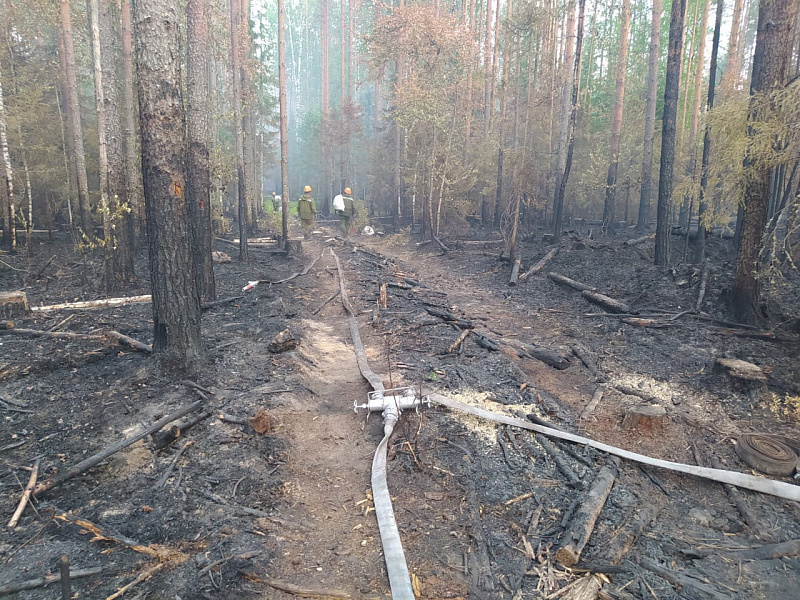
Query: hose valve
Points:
[393, 400]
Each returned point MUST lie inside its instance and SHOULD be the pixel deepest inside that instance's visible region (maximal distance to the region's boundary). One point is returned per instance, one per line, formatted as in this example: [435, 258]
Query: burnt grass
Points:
[464, 491]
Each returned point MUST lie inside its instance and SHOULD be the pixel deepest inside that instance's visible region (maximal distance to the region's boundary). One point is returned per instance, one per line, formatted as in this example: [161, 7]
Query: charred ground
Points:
[293, 503]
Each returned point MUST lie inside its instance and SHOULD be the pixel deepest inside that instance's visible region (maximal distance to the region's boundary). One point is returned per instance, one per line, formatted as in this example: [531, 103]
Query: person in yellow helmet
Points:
[348, 212]
[306, 209]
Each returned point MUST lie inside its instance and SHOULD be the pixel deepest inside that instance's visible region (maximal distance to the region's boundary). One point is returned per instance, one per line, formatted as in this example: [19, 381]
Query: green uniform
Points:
[306, 209]
[346, 214]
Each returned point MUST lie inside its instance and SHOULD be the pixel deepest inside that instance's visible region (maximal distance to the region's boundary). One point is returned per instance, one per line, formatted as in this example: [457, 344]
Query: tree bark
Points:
[671, 89]
[561, 183]
[283, 126]
[133, 169]
[72, 97]
[733, 66]
[10, 222]
[649, 120]
[487, 69]
[176, 304]
[198, 182]
[776, 22]
[236, 68]
[700, 242]
[609, 210]
[120, 218]
[325, 107]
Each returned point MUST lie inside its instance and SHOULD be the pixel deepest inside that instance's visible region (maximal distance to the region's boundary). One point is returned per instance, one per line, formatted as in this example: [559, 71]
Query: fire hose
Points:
[391, 402]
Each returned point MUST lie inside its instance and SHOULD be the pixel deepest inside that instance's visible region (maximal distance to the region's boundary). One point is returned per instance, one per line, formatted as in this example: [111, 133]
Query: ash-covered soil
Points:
[481, 508]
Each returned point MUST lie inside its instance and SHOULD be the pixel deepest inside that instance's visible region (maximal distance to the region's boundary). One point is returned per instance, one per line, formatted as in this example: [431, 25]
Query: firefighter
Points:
[349, 211]
[306, 209]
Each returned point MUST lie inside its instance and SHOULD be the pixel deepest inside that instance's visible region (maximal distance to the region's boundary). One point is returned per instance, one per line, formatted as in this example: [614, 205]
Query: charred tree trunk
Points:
[649, 120]
[236, 67]
[74, 116]
[198, 172]
[609, 210]
[733, 66]
[671, 89]
[776, 22]
[702, 232]
[561, 183]
[176, 304]
[119, 216]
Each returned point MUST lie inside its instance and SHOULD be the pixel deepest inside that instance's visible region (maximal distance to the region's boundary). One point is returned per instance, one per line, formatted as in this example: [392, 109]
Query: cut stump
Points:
[283, 342]
[13, 304]
[742, 371]
[644, 416]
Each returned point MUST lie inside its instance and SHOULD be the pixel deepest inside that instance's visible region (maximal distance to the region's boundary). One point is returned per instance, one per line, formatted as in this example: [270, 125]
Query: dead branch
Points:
[164, 438]
[596, 398]
[143, 576]
[680, 579]
[324, 304]
[561, 464]
[296, 590]
[26, 494]
[639, 240]
[541, 264]
[135, 344]
[107, 303]
[59, 335]
[208, 305]
[770, 551]
[625, 539]
[454, 346]
[588, 361]
[582, 524]
[608, 303]
[113, 449]
[42, 270]
[14, 587]
[163, 481]
[305, 271]
[552, 358]
[222, 561]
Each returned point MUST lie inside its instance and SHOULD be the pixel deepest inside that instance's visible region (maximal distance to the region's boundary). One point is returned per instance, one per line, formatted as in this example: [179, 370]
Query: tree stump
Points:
[294, 247]
[643, 416]
[742, 371]
[283, 342]
[13, 304]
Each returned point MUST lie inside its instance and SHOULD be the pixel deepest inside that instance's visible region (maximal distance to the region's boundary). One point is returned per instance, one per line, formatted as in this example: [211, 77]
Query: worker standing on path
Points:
[347, 213]
[306, 209]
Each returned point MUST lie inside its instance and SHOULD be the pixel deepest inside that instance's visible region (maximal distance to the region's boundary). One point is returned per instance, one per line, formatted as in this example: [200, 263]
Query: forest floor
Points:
[481, 508]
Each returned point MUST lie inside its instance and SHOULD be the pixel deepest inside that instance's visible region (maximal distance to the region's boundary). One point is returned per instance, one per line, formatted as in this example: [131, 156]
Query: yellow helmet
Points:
[347, 191]
[307, 189]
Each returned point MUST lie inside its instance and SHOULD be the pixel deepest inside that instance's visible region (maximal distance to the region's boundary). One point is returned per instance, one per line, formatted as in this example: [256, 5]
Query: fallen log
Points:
[486, 342]
[608, 303]
[639, 240]
[88, 304]
[571, 283]
[14, 587]
[632, 391]
[324, 304]
[58, 335]
[541, 264]
[163, 439]
[296, 590]
[209, 305]
[92, 461]
[552, 358]
[561, 464]
[305, 271]
[582, 525]
[163, 479]
[596, 398]
[515, 272]
[588, 361]
[446, 315]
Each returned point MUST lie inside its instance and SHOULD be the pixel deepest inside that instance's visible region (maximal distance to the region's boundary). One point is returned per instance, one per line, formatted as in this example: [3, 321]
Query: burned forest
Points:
[478, 300]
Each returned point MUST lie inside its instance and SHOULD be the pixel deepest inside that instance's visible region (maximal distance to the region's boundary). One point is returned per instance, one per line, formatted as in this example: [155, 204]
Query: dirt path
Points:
[329, 457]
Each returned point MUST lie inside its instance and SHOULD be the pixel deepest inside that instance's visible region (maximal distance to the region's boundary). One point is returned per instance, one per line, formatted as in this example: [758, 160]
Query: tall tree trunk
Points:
[325, 107]
[119, 216]
[609, 210]
[74, 116]
[702, 230]
[669, 122]
[733, 66]
[775, 33]
[10, 233]
[133, 169]
[563, 178]
[487, 69]
[283, 126]
[102, 135]
[691, 149]
[198, 172]
[686, 66]
[236, 67]
[566, 88]
[649, 119]
[176, 304]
